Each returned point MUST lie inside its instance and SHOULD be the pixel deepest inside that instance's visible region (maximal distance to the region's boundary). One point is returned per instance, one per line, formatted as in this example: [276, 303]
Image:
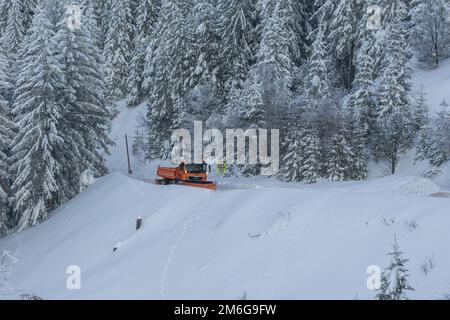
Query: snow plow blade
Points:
[208, 185]
[204, 185]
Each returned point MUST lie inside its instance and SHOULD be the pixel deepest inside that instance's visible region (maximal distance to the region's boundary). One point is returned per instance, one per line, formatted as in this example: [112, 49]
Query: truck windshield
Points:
[196, 168]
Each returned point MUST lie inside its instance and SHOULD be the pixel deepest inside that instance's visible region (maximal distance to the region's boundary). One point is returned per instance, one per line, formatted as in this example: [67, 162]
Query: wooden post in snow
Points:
[128, 155]
[139, 223]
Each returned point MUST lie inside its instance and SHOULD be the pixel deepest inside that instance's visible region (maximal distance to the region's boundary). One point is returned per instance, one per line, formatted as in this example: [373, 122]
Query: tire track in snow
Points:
[325, 196]
[186, 225]
[195, 216]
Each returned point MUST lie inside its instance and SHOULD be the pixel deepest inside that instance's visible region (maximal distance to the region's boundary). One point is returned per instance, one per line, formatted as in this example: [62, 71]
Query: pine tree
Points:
[39, 146]
[311, 167]
[394, 129]
[3, 16]
[339, 159]
[317, 83]
[29, 9]
[361, 101]
[323, 14]
[239, 41]
[101, 11]
[359, 115]
[343, 38]
[169, 66]
[434, 143]
[207, 42]
[15, 27]
[160, 114]
[147, 15]
[180, 38]
[118, 49]
[274, 57]
[6, 135]
[392, 9]
[394, 280]
[252, 113]
[294, 15]
[370, 38]
[56, 9]
[86, 120]
[294, 157]
[421, 111]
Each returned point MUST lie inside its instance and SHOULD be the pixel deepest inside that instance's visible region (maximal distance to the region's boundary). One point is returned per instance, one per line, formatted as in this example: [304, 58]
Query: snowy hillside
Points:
[435, 84]
[282, 241]
[260, 236]
[92, 89]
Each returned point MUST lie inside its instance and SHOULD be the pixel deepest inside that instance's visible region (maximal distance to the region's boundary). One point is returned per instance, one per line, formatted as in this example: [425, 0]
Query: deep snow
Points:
[435, 83]
[260, 236]
[300, 242]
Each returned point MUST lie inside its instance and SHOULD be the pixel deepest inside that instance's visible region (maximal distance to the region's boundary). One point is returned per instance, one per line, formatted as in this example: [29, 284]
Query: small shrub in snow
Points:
[411, 225]
[427, 266]
[389, 222]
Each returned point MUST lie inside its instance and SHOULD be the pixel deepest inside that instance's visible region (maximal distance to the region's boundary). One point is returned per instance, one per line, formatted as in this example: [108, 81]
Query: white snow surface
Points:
[435, 83]
[299, 242]
[271, 239]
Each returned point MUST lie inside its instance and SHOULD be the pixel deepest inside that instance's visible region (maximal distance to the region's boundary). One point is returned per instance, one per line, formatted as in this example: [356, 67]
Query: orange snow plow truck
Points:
[192, 175]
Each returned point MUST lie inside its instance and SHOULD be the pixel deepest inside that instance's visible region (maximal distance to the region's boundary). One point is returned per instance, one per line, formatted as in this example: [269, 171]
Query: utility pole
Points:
[128, 155]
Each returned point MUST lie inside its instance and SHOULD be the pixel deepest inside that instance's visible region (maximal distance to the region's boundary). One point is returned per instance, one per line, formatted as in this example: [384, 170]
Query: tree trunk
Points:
[393, 165]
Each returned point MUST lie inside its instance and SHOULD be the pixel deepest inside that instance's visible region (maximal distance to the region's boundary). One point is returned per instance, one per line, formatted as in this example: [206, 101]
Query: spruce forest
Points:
[338, 85]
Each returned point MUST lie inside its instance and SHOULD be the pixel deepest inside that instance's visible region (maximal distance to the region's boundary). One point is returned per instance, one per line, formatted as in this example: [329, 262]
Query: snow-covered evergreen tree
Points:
[275, 59]
[339, 159]
[394, 279]
[3, 16]
[239, 23]
[161, 113]
[15, 27]
[359, 115]
[206, 42]
[6, 135]
[358, 163]
[394, 123]
[317, 83]
[421, 111]
[101, 12]
[311, 168]
[361, 101]
[169, 68]
[293, 160]
[118, 49]
[252, 112]
[86, 119]
[343, 38]
[434, 142]
[431, 35]
[29, 9]
[181, 39]
[146, 17]
[323, 14]
[39, 147]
